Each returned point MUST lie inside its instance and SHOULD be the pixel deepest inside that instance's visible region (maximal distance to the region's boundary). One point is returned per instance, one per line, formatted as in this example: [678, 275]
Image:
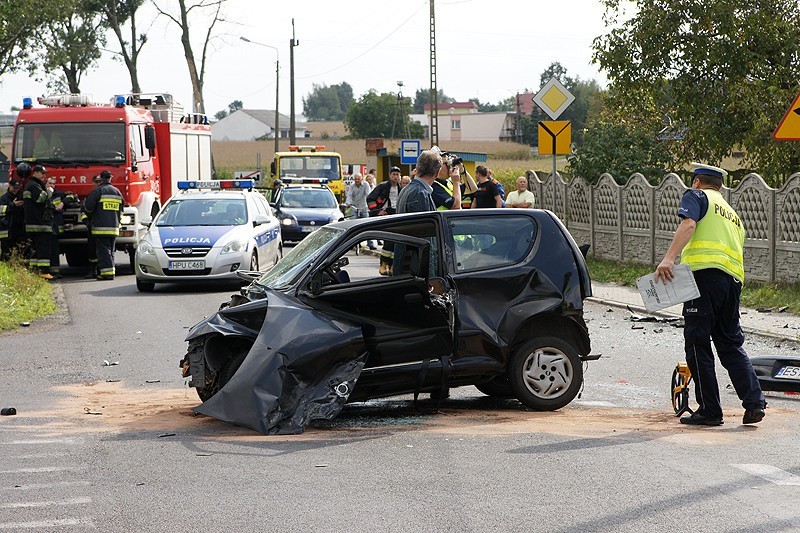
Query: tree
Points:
[328, 102]
[423, 96]
[219, 115]
[576, 113]
[236, 105]
[17, 42]
[620, 151]
[373, 115]
[197, 76]
[556, 70]
[117, 14]
[723, 71]
[71, 43]
[502, 105]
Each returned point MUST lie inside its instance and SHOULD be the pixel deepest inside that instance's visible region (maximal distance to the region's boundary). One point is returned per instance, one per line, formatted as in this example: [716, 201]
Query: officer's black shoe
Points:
[696, 419]
[91, 274]
[753, 416]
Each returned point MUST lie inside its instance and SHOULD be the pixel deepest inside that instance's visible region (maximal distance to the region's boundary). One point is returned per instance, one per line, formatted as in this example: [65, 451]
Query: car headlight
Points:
[145, 248]
[288, 221]
[127, 219]
[234, 247]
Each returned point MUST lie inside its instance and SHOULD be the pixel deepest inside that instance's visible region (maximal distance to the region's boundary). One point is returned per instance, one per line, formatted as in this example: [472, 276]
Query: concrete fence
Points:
[636, 221]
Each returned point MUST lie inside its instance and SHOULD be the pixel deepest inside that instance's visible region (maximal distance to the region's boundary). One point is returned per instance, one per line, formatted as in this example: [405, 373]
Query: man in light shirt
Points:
[522, 197]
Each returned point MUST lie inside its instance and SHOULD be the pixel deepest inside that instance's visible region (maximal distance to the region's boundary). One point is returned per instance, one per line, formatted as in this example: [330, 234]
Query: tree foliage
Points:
[18, 43]
[577, 112]
[328, 102]
[70, 44]
[722, 72]
[373, 115]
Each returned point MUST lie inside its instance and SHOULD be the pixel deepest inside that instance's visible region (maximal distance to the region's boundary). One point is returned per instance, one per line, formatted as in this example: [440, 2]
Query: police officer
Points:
[103, 206]
[12, 221]
[39, 220]
[710, 239]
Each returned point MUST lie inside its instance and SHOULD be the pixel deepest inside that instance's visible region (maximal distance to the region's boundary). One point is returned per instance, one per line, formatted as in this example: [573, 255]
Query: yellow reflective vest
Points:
[718, 240]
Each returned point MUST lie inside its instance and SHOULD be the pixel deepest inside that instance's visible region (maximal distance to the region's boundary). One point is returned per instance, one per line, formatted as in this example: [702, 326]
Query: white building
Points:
[495, 126]
[252, 124]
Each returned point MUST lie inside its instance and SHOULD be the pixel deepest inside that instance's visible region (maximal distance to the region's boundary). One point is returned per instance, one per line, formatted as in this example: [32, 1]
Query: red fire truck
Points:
[146, 141]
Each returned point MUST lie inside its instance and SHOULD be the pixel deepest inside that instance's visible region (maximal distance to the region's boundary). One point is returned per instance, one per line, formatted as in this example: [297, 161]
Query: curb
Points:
[640, 309]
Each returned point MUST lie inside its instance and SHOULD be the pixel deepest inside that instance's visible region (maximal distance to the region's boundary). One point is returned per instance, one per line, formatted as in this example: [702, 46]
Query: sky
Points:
[485, 49]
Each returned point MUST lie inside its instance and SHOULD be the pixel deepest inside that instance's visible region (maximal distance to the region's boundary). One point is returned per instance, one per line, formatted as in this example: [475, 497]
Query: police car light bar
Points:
[216, 184]
[322, 181]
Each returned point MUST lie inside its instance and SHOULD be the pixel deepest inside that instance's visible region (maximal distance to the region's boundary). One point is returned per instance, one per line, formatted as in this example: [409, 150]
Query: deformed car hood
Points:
[303, 366]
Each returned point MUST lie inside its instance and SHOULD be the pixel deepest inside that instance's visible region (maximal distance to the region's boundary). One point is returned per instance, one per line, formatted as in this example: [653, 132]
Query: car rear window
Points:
[481, 242]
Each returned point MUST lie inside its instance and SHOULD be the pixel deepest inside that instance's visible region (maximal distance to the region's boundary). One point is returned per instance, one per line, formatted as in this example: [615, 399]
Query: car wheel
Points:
[145, 286]
[279, 255]
[253, 262]
[545, 373]
[230, 368]
[497, 388]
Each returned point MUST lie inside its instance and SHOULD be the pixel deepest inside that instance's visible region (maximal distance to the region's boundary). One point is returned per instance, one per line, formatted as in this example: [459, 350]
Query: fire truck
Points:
[310, 162]
[146, 141]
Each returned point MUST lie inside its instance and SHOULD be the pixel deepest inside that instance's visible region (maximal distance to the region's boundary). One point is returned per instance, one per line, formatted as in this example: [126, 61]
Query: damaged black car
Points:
[490, 297]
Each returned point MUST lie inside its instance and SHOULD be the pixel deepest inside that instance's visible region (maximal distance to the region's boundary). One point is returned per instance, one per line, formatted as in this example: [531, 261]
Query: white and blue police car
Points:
[207, 232]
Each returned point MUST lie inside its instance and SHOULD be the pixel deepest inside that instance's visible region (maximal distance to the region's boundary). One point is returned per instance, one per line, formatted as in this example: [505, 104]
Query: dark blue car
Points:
[303, 209]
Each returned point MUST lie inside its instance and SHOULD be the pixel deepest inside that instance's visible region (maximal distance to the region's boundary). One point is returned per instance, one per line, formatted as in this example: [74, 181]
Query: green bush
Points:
[24, 296]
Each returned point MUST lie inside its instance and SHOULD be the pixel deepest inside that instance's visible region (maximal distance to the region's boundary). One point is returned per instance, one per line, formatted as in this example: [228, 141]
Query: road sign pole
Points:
[554, 176]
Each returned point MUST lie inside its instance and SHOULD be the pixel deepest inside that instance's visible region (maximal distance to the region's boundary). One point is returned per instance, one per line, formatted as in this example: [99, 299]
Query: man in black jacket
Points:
[39, 220]
[12, 222]
[383, 201]
[103, 206]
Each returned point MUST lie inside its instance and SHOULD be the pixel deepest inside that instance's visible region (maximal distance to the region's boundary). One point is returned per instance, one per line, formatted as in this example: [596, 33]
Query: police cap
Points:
[708, 170]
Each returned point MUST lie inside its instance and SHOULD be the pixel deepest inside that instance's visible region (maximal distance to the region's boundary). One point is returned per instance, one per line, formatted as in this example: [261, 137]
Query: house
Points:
[472, 126]
[252, 124]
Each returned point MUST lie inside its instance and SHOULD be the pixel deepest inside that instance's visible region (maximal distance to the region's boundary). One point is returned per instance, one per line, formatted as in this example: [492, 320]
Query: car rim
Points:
[547, 373]
[253, 263]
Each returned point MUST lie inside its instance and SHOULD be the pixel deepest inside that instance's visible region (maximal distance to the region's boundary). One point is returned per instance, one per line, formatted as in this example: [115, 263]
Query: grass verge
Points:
[24, 296]
[755, 294]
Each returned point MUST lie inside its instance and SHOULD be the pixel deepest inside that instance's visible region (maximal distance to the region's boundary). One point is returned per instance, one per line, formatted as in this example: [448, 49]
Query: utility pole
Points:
[518, 122]
[433, 126]
[292, 131]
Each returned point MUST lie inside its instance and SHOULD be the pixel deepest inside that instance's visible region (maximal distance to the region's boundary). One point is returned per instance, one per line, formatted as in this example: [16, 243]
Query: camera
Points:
[451, 160]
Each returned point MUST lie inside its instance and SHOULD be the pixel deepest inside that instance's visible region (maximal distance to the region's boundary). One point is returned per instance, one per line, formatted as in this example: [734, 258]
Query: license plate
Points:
[187, 265]
[309, 229]
[789, 372]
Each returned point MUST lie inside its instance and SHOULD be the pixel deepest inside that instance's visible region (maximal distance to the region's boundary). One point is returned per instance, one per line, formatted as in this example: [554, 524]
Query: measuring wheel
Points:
[681, 378]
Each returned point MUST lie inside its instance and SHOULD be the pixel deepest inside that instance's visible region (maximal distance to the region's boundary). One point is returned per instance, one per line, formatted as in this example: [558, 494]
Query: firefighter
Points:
[58, 202]
[91, 246]
[12, 222]
[103, 206]
[39, 220]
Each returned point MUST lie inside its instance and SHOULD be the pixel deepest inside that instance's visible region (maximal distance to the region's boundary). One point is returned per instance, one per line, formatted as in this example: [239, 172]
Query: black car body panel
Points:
[322, 332]
[768, 371]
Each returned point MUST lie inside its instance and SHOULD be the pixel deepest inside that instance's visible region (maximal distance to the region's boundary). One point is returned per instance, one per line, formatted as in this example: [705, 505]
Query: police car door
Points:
[403, 321]
[266, 234]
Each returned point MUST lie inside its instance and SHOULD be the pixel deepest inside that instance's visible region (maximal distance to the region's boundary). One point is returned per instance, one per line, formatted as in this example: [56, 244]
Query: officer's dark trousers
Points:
[55, 254]
[40, 256]
[105, 245]
[715, 315]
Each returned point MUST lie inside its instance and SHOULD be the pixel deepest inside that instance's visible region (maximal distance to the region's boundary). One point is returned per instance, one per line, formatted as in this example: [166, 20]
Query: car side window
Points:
[481, 242]
[257, 205]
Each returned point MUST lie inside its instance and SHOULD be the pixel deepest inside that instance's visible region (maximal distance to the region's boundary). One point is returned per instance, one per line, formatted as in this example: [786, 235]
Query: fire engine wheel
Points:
[145, 286]
[545, 373]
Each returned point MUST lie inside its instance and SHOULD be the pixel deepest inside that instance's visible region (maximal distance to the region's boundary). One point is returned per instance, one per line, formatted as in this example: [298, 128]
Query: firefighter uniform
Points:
[715, 255]
[12, 222]
[59, 199]
[103, 206]
[38, 221]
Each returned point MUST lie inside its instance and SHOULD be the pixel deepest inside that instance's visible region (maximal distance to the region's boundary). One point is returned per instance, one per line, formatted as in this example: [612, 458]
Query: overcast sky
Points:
[489, 49]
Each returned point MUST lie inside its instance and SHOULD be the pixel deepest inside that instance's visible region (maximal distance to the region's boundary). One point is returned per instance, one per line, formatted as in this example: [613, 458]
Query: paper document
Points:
[656, 295]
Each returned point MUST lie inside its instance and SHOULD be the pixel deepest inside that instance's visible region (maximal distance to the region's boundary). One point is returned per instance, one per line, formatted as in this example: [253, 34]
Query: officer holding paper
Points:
[710, 239]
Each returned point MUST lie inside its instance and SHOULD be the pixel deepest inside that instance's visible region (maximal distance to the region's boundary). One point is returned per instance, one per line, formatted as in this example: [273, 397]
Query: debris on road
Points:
[635, 326]
[166, 435]
[152, 381]
[8, 411]
[24, 324]
[112, 380]
[764, 309]
[90, 412]
[106, 362]
[203, 454]
[783, 308]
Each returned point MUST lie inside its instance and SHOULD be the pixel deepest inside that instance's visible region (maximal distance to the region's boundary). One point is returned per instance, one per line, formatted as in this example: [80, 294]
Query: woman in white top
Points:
[522, 197]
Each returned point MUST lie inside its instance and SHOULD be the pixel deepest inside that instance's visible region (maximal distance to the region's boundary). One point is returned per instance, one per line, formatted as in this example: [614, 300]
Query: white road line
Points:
[25, 505]
[770, 473]
[55, 484]
[41, 441]
[40, 455]
[39, 470]
[46, 523]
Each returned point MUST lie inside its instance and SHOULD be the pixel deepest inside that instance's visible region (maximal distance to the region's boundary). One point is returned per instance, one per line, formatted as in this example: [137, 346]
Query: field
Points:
[507, 160]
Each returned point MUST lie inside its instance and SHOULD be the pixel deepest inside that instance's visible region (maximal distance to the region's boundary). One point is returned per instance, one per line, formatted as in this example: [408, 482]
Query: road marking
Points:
[40, 455]
[46, 523]
[770, 473]
[42, 441]
[39, 470]
[55, 484]
[21, 505]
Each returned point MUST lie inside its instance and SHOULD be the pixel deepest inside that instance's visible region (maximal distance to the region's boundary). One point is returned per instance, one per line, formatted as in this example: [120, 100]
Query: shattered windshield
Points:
[71, 143]
[294, 263]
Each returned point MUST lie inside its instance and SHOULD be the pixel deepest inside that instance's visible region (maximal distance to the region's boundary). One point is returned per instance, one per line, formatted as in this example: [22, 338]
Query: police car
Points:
[208, 231]
[304, 205]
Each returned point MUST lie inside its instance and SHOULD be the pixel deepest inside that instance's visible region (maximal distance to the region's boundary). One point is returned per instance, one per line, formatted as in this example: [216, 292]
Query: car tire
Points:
[254, 262]
[230, 368]
[545, 373]
[279, 255]
[497, 388]
[145, 286]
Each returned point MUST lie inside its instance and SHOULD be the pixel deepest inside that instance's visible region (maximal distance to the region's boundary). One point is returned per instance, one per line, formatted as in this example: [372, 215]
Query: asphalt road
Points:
[614, 460]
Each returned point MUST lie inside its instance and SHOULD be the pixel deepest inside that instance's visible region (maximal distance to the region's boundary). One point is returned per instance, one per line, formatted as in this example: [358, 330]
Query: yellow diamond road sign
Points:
[789, 127]
[553, 98]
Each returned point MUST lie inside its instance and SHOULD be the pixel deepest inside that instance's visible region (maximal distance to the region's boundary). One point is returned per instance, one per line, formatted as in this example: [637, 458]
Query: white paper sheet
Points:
[656, 295]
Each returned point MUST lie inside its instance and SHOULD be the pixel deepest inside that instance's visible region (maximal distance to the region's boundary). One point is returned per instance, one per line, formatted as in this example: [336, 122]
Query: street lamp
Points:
[277, 86]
